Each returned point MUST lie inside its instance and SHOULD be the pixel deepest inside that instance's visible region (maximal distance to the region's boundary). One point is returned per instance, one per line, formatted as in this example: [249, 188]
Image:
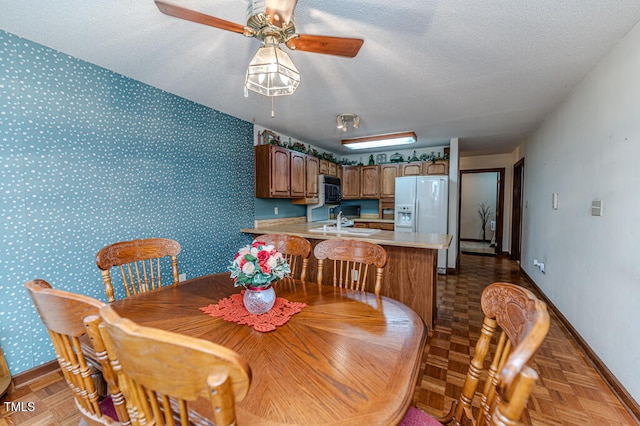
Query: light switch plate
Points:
[596, 208]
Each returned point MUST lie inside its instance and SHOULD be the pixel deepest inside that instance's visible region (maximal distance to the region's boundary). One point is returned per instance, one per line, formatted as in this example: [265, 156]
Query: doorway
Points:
[516, 210]
[481, 211]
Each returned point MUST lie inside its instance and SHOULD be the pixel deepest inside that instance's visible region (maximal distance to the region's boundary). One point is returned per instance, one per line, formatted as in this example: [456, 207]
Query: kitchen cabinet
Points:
[385, 226]
[369, 182]
[412, 169]
[350, 182]
[438, 167]
[328, 168]
[298, 177]
[312, 172]
[388, 174]
[272, 171]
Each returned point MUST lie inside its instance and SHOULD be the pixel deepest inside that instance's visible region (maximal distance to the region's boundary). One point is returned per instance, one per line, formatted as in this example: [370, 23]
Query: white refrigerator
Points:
[422, 205]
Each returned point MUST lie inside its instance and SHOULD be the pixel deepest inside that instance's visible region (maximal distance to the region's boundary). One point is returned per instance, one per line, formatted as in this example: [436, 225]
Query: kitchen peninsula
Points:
[411, 272]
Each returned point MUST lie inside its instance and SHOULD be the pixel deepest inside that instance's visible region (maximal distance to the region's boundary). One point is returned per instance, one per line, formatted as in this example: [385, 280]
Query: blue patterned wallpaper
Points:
[89, 157]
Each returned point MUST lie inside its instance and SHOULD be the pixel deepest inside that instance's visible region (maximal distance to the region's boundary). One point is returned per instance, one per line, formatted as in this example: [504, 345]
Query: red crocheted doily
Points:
[232, 309]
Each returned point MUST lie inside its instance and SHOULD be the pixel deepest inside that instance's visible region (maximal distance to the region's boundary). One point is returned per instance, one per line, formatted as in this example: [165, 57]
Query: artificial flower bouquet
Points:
[258, 265]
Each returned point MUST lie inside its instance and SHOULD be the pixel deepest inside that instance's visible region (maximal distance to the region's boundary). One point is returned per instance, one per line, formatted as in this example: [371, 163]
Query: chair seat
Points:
[416, 417]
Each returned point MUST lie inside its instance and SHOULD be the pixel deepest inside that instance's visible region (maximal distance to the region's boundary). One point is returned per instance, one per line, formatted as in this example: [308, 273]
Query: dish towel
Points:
[232, 309]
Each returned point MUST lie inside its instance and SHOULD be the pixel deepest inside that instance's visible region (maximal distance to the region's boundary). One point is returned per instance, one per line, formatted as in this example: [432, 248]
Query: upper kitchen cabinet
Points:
[437, 167]
[360, 182]
[412, 169]
[388, 174]
[272, 171]
[298, 164]
[369, 182]
[312, 172]
[350, 182]
[328, 168]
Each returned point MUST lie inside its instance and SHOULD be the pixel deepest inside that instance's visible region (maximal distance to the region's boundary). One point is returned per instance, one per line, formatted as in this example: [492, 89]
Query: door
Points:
[516, 210]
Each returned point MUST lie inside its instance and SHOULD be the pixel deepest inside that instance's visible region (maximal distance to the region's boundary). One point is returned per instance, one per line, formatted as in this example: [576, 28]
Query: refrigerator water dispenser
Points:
[405, 218]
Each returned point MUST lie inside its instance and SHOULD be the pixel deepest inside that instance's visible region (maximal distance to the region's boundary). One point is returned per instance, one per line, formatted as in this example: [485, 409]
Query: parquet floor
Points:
[570, 391]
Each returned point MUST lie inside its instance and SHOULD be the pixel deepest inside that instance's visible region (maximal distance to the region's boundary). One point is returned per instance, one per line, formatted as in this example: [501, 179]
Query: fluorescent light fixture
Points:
[378, 141]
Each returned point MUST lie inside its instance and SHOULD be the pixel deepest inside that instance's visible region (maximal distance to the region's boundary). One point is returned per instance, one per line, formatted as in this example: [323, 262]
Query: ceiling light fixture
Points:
[343, 121]
[271, 72]
[378, 141]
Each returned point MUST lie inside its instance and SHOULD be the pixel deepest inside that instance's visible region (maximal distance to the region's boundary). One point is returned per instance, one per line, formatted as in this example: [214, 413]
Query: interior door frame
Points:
[499, 203]
[516, 210]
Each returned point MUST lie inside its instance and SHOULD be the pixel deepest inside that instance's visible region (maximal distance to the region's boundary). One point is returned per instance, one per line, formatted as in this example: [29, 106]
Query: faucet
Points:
[338, 220]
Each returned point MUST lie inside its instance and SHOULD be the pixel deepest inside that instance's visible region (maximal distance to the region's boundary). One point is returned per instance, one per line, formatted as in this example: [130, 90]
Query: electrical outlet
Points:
[275, 210]
[182, 277]
[535, 262]
[541, 266]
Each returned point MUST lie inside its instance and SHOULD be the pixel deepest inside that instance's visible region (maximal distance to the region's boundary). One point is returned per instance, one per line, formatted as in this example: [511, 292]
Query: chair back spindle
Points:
[139, 262]
[161, 388]
[522, 321]
[354, 263]
[63, 314]
[296, 250]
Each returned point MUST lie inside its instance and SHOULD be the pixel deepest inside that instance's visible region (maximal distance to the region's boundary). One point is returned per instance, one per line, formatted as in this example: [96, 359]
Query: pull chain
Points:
[273, 114]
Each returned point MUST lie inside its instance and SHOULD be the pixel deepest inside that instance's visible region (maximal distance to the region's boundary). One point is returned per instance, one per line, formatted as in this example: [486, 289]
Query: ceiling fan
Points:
[271, 72]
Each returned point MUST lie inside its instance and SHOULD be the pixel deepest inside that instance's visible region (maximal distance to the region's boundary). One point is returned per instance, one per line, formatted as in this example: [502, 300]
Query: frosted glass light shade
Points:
[271, 72]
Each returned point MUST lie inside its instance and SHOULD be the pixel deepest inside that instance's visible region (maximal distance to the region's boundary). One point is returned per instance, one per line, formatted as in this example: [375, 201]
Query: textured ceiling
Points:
[484, 71]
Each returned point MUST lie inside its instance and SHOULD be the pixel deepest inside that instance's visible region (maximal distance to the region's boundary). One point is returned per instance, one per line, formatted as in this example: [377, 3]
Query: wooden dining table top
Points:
[348, 358]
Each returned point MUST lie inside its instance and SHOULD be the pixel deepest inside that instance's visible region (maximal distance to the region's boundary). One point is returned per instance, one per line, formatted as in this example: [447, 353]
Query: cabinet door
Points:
[369, 182]
[280, 172]
[388, 175]
[412, 169]
[313, 169]
[333, 169]
[350, 182]
[324, 167]
[440, 167]
[298, 174]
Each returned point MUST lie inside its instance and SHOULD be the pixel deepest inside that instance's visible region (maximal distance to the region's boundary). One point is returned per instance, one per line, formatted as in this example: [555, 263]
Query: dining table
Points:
[347, 358]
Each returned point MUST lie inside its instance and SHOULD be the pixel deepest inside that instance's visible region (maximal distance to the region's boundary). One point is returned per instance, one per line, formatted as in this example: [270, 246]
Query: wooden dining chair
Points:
[522, 322]
[63, 314]
[353, 263]
[296, 250]
[164, 373]
[139, 263]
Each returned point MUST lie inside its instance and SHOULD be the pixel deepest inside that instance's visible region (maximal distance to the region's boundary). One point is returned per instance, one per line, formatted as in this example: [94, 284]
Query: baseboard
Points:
[627, 400]
[35, 373]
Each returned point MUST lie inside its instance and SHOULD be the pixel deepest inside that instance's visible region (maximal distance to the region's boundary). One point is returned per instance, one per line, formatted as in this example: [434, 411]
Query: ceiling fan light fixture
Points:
[379, 141]
[271, 72]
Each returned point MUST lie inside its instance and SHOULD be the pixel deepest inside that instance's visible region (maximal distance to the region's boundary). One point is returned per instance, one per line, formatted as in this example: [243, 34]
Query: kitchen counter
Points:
[388, 238]
[410, 274]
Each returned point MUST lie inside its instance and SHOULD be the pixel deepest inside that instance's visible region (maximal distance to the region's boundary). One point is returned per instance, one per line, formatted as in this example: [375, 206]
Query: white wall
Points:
[477, 189]
[589, 149]
[454, 202]
[505, 161]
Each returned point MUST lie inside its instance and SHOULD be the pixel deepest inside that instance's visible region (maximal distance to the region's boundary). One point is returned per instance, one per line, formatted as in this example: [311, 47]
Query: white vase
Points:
[258, 300]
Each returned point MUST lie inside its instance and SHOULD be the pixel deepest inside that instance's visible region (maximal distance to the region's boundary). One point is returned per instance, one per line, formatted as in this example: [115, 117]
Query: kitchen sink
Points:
[332, 229]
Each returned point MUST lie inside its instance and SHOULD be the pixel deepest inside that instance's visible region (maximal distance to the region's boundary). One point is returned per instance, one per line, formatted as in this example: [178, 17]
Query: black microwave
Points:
[331, 189]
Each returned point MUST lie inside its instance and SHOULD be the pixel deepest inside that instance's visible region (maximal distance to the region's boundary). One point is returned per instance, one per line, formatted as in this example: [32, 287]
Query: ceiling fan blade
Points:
[280, 11]
[327, 45]
[200, 18]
